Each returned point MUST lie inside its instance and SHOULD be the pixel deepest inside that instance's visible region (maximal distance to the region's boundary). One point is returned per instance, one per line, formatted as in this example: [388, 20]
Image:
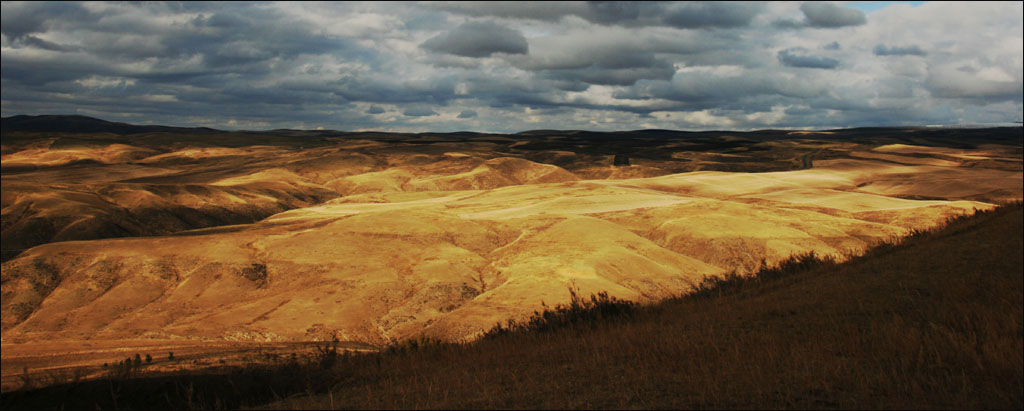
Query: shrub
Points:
[713, 286]
[578, 311]
[327, 354]
[27, 382]
[121, 370]
[413, 344]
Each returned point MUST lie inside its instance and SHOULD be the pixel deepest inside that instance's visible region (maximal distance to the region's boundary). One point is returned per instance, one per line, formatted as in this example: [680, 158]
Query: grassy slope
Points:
[933, 323]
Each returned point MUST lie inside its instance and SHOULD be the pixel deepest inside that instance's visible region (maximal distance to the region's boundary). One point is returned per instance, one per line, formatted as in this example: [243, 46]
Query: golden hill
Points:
[393, 265]
[211, 236]
[932, 321]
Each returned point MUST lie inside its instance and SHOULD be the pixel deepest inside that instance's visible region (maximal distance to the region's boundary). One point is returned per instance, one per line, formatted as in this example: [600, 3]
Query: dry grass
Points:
[931, 321]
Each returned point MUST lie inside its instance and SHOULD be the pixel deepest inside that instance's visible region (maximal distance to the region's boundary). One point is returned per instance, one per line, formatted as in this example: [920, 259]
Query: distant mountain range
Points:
[84, 124]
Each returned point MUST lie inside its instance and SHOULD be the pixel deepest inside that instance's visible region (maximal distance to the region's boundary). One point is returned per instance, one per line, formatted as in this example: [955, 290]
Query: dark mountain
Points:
[939, 136]
[83, 124]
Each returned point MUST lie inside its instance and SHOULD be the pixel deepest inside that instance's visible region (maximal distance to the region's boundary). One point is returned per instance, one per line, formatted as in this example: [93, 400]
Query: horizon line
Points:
[321, 129]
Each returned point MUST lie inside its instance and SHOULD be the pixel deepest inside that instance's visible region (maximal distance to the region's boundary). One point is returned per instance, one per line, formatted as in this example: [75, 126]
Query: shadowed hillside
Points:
[932, 321]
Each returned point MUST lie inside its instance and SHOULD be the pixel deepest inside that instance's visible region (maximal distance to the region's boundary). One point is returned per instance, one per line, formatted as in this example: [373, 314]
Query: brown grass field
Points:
[247, 253]
[933, 320]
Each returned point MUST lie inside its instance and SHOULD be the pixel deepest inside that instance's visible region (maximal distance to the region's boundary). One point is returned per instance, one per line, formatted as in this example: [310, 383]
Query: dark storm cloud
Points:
[228, 38]
[621, 76]
[419, 111]
[478, 39]
[611, 12]
[233, 56]
[224, 42]
[33, 41]
[828, 15]
[27, 18]
[725, 14]
[796, 58]
[381, 90]
[39, 69]
[276, 96]
[718, 90]
[613, 57]
[711, 14]
[620, 65]
[570, 84]
[575, 53]
[532, 10]
[509, 92]
[883, 50]
[438, 66]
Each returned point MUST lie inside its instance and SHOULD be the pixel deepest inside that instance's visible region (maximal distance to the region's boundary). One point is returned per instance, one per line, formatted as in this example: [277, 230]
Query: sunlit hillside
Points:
[296, 236]
[930, 321]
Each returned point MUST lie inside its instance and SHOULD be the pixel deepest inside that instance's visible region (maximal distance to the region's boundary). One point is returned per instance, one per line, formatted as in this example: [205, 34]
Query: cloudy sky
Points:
[507, 67]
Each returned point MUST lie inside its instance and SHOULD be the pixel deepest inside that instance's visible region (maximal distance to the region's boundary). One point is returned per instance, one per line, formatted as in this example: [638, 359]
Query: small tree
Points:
[170, 356]
[327, 354]
[149, 359]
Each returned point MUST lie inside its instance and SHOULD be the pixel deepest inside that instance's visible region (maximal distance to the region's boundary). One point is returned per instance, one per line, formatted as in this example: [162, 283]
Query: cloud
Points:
[795, 57]
[612, 56]
[621, 76]
[882, 50]
[969, 82]
[693, 15]
[612, 12]
[467, 114]
[534, 10]
[393, 66]
[741, 91]
[25, 18]
[828, 15]
[478, 39]
[711, 14]
[419, 111]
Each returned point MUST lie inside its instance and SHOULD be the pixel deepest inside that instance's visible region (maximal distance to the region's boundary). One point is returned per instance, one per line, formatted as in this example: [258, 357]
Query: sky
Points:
[515, 66]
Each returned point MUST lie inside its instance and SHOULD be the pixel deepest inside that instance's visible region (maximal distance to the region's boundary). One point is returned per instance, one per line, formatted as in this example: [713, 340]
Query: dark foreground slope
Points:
[933, 322]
